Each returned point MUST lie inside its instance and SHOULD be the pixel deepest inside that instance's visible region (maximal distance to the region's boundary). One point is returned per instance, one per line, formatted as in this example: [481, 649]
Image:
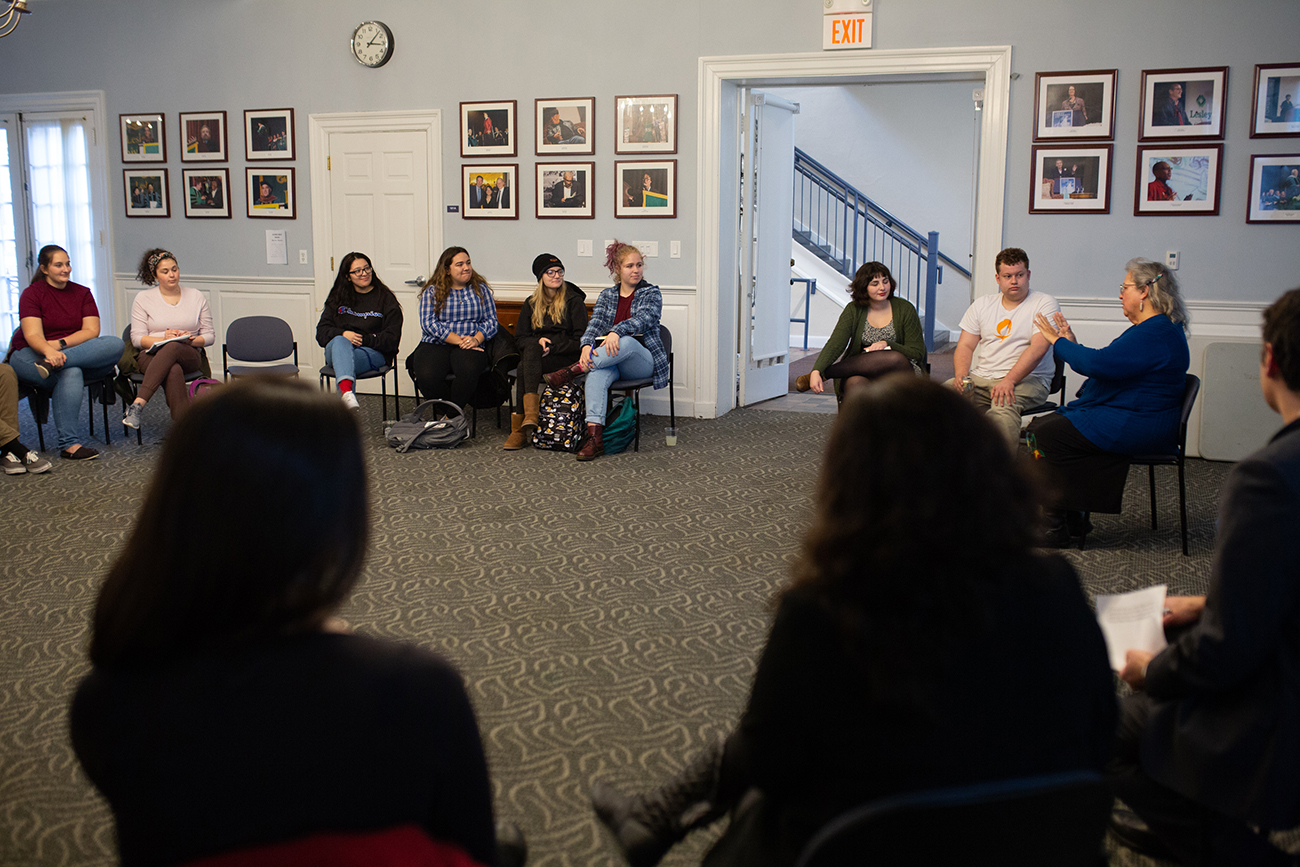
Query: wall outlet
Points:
[1171, 260]
[302, 257]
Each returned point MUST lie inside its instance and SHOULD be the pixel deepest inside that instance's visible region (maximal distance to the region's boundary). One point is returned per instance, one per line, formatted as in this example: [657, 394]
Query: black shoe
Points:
[640, 844]
[512, 848]
[85, 453]
[1132, 833]
[42, 369]
[1078, 525]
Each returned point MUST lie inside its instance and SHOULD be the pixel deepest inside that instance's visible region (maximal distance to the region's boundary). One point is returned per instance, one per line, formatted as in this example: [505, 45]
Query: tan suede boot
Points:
[517, 439]
[532, 406]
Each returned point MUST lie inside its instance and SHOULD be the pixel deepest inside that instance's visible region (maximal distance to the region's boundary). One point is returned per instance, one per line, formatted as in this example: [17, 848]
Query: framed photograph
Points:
[1178, 180]
[1075, 105]
[1183, 103]
[203, 137]
[207, 192]
[488, 192]
[1274, 110]
[566, 126]
[645, 124]
[268, 134]
[566, 191]
[271, 193]
[146, 192]
[645, 189]
[1274, 189]
[1070, 179]
[144, 138]
[487, 129]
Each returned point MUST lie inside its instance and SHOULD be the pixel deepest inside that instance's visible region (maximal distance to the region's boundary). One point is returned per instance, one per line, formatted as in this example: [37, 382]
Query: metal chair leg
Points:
[1182, 504]
[1151, 474]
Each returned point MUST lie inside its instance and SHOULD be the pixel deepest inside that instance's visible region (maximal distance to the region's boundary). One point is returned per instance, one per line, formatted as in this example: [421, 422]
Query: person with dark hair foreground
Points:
[1130, 405]
[881, 332]
[228, 708]
[916, 593]
[1209, 742]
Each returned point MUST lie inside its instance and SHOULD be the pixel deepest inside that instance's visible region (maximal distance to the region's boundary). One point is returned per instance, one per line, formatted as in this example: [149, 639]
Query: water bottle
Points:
[967, 387]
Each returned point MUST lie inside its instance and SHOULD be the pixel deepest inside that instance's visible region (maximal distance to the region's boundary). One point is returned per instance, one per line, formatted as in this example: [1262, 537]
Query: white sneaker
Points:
[350, 400]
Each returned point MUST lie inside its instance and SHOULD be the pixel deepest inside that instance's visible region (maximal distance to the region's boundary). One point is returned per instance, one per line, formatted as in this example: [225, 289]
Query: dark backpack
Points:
[561, 419]
[620, 427]
[423, 430]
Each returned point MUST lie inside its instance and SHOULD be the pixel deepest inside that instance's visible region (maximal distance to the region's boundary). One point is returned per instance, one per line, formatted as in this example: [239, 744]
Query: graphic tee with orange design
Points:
[1004, 334]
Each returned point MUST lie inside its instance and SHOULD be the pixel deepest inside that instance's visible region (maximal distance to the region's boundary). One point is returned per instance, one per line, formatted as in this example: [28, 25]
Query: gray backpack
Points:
[423, 430]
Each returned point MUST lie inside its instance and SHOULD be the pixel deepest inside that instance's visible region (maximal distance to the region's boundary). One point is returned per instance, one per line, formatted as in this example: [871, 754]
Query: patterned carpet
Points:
[606, 616]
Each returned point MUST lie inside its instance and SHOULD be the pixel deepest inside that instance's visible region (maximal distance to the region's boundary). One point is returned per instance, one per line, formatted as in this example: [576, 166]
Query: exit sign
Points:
[846, 31]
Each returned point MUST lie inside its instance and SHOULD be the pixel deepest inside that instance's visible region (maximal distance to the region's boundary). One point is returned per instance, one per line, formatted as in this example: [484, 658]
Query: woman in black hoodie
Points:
[548, 337]
[361, 324]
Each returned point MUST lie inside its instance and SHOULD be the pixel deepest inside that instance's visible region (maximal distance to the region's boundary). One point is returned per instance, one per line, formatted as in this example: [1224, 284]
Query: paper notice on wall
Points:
[277, 247]
[1132, 621]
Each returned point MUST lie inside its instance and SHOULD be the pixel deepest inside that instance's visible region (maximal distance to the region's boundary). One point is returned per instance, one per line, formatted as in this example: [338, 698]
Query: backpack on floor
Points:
[422, 429]
[620, 426]
[561, 419]
[200, 386]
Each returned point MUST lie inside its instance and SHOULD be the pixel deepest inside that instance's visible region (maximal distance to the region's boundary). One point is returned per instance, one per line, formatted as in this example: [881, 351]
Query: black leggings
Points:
[431, 362]
[869, 365]
[532, 364]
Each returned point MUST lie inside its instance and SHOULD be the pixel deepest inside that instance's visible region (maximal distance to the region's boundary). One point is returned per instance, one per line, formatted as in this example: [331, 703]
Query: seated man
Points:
[1209, 745]
[1015, 365]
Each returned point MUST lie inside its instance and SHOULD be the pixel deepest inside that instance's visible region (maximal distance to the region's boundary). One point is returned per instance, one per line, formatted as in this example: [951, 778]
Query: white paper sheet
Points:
[277, 247]
[1132, 621]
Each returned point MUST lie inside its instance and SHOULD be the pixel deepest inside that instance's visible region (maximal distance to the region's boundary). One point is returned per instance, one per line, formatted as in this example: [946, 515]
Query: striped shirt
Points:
[463, 313]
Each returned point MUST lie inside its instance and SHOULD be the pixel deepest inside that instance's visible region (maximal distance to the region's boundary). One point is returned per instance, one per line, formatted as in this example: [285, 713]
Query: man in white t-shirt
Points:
[1015, 363]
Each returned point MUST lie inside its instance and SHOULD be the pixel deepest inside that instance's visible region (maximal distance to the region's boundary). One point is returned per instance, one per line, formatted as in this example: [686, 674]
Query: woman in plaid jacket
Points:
[457, 317]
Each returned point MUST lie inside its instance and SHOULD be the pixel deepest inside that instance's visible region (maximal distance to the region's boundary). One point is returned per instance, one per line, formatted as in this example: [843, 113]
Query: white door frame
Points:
[97, 162]
[320, 127]
[716, 226]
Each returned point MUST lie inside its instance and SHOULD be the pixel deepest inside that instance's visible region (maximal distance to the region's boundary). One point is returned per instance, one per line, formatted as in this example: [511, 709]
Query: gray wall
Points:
[162, 55]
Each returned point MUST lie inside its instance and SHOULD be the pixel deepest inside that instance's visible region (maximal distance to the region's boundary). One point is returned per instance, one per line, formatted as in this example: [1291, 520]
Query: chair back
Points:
[1191, 388]
[667, 337]
[259, 338]
[1058, 819]
[1058, 378]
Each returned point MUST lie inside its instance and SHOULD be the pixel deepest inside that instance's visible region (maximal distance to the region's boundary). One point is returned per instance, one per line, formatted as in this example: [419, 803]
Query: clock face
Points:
[372, 43]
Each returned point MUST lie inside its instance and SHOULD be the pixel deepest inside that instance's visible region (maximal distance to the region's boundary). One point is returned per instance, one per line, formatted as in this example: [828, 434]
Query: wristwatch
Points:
[63, 344]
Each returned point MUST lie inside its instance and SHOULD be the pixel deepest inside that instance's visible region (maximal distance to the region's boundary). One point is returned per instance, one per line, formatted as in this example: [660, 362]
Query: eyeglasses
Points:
[554, 272]
[360, 272]
[1124, 286]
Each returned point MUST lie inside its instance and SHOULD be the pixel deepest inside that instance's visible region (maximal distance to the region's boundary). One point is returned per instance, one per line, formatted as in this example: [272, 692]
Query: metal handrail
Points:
[809, 290]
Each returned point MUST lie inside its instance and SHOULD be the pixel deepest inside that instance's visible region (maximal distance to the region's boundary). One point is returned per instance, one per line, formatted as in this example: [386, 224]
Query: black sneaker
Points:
[42, 369]
[85, 453]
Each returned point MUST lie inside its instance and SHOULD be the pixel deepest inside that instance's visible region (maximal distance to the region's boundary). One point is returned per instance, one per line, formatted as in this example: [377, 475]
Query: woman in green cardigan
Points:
[882, 333]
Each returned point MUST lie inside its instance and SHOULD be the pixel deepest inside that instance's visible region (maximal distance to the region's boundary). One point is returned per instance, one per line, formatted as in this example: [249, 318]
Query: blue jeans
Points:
[633, 361]
[97, 355]
[348, 360]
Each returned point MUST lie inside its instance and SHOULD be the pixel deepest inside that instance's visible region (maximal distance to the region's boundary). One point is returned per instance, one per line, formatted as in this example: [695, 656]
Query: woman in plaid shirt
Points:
[621, 341]
[457, 316]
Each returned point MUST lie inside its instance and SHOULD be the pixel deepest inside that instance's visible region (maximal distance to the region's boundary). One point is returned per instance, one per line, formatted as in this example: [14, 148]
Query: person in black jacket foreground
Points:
[916, 597]
[548, 337]
[1209, 753]
[227, 708]
[361, 324]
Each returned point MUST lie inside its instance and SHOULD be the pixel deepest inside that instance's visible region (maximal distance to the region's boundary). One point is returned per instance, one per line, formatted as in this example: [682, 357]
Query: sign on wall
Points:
[846, 24]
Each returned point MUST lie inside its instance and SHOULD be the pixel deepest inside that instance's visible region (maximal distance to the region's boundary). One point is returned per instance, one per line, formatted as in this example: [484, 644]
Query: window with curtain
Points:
[58, 174]
[10, 282]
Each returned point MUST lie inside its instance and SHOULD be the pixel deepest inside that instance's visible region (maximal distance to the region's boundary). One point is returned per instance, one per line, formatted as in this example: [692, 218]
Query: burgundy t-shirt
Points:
[624, 309]
[60, 310]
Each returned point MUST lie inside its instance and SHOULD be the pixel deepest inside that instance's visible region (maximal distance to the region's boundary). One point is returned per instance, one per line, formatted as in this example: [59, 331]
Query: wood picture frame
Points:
[1275, 102]
[1191, 180]
[271, 193]
[1274, 194]
[269, 134]
[1183, 104]
[206, 192]
[565, 126]
[144, 138]
[645, 124]
[489, 191]
[553, 203]
[203, 137]
[147, 193]
[488, 129]
[1079, 106]
[1069, 178]
[645, 188]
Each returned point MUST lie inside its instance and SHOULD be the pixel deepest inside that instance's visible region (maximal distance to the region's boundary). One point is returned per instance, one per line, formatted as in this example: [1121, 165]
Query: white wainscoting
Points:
[1098, 321]
[293, 300]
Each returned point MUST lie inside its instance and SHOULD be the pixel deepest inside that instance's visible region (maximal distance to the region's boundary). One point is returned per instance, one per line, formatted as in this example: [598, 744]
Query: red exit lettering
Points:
[845, 32]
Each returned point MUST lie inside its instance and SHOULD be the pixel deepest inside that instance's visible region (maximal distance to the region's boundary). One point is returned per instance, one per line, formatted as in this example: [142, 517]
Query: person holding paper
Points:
[879, 674]
[1131, 403]
[1209, 744]
[175, 318]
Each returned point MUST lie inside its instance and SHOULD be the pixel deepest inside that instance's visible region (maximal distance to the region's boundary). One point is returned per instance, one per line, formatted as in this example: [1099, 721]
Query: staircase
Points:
[841, 226]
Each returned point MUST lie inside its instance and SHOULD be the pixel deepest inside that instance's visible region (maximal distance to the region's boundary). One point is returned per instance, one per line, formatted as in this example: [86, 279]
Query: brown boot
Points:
[803, 383]
[517, 438]
[564, 375]
[594, 446]
[532, 406]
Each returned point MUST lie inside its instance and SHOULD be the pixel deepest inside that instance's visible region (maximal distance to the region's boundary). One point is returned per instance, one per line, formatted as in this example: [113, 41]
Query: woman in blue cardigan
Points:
[621, 341]
[1131, 403]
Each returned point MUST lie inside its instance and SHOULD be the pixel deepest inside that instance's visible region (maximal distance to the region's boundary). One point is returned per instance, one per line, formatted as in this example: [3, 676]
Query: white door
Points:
[767, 193]
[379, 206]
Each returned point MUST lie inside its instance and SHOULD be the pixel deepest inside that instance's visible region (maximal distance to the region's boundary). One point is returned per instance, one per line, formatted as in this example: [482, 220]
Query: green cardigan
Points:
[848, 332]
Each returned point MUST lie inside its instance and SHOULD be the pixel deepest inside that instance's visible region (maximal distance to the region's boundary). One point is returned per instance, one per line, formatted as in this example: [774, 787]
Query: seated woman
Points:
[457, 316]
[227, 707]
[882, 333]
[59, 340]
[621, 341]
[165, 313]
[548, 337]
[917, 592]
[1131, 403]
[360, 326]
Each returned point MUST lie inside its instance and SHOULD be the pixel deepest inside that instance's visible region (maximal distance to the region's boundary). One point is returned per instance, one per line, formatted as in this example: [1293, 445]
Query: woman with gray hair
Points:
[1131, 403]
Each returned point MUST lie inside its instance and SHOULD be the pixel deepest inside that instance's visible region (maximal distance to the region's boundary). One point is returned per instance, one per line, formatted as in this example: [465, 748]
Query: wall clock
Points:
[372, 43]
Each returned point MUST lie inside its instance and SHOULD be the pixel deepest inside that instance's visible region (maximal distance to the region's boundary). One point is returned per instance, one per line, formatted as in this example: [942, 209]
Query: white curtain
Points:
[11, 283]
[59, 175]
